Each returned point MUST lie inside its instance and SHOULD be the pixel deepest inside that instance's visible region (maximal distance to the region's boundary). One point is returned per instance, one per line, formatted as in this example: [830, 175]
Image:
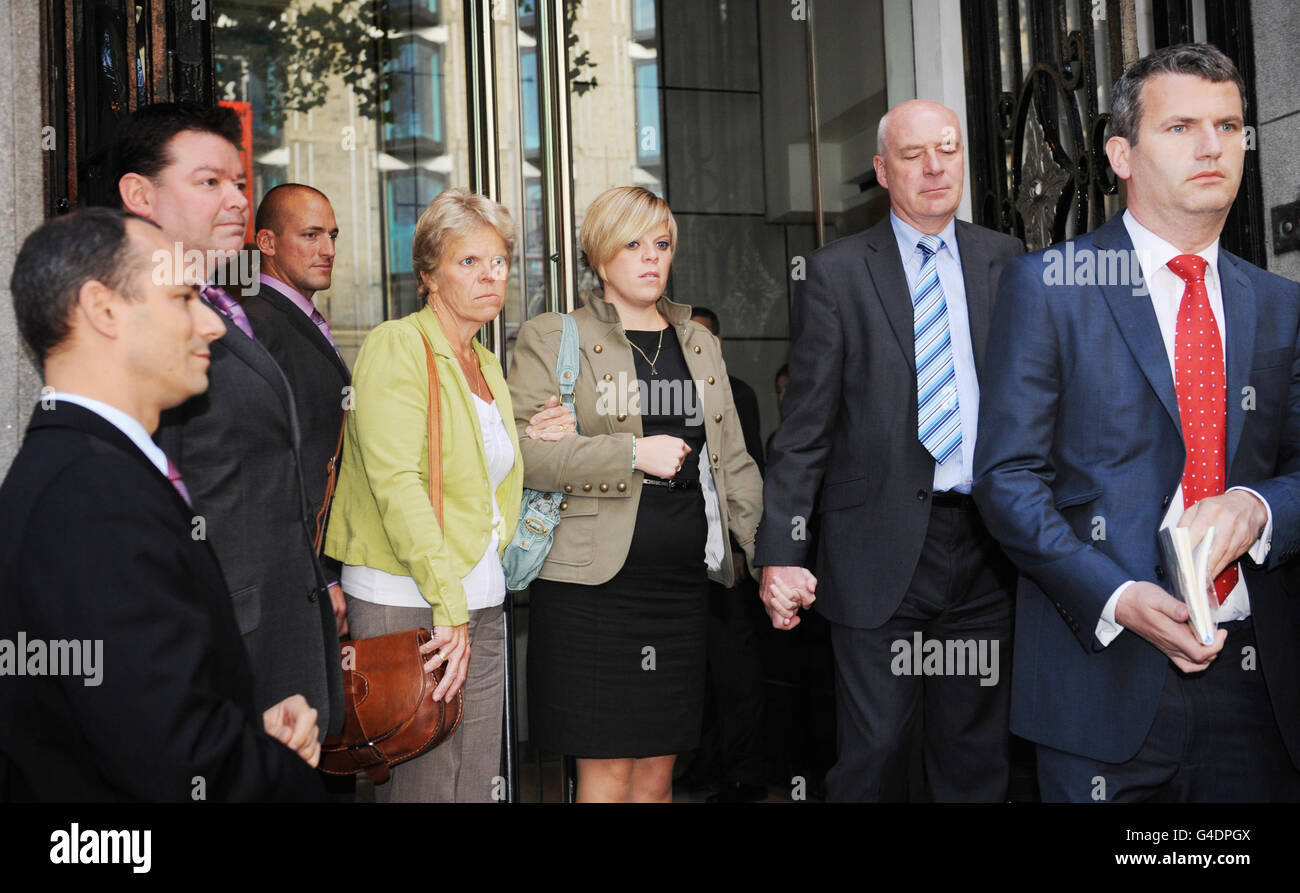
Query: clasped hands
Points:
[784, 590]
[1238, 518]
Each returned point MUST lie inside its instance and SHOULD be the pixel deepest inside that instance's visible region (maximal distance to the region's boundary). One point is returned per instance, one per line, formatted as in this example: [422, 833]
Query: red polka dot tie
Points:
[1202, 395]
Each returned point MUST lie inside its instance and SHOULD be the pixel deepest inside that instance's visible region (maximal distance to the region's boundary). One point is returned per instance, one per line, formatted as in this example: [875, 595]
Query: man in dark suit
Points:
[888, 341]
[96, 548]
[237, 444]
[1155, 383]
[296, 232]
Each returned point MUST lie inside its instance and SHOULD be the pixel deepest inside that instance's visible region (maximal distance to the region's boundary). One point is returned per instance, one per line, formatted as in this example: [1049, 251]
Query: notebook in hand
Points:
[1189, 571]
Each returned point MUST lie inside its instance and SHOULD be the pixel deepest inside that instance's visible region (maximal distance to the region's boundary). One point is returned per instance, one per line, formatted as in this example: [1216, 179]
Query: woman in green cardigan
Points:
[398, 562]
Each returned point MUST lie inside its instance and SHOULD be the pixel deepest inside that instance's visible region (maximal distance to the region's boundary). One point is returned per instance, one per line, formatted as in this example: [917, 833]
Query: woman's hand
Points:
[552, 422]
[450, 644]
[661, 455]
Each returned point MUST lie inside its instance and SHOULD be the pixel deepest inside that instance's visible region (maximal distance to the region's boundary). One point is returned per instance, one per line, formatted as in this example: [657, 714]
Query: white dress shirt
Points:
[1166, 292]
[956, 473]
[127, 424]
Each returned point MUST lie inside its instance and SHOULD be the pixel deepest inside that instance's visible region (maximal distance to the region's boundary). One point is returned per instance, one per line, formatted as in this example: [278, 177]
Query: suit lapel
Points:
[70, 415]
[886, 271]
[1137, 321]
[1239, 315]
[975, 267]
[303, 323]
[257, 357]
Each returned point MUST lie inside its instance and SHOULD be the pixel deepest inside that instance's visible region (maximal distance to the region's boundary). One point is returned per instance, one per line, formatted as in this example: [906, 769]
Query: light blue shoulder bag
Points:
[539, 513]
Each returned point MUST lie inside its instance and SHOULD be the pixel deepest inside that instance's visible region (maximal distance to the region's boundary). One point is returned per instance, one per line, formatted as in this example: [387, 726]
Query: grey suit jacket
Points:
[237, 449]
[847, 453]
[317, 377]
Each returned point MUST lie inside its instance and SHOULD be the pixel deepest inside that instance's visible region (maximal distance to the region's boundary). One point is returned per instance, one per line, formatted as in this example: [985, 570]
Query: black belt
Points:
[674, 484]
[953, 500]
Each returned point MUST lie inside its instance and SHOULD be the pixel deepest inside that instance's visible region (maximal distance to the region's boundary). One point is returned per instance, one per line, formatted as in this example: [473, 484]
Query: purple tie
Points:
[229, 306]
[174, 475]
[324, 327]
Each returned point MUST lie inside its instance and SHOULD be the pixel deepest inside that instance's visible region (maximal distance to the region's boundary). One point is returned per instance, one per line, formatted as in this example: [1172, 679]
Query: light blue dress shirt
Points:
[956, 473]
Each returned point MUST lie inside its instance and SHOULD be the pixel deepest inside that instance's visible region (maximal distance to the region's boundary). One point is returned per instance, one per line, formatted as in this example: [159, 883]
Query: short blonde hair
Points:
[616, 217]
[455, 214]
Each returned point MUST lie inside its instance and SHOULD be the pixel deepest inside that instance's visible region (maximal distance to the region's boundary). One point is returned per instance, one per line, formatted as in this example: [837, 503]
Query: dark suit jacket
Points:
[747, 408]
[237, 449]
[96, 544]
[317, 376]
[848, 447]
[1079, 423]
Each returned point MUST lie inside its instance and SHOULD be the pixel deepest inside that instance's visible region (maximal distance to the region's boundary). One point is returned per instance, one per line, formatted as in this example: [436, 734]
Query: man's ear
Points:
[264, 239]
[1117, 150]
[136, 192]
[878, 162]
[99, 307]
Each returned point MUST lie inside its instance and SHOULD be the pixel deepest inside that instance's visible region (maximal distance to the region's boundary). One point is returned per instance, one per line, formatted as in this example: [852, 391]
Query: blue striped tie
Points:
[938, 418]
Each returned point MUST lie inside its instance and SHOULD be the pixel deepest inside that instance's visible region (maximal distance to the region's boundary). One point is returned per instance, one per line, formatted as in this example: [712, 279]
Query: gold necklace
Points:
[653, 371]
[473, 378]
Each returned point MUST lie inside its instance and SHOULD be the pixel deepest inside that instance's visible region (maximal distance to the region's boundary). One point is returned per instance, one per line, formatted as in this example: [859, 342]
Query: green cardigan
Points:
[381, 516]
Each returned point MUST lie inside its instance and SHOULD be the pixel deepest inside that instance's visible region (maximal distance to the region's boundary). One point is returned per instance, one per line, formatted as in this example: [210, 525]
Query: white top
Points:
[1166, 288]
[485, 584]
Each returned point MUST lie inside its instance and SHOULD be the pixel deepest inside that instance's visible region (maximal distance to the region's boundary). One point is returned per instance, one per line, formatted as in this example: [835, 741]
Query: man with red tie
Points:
[237, 445]
[1118, 404]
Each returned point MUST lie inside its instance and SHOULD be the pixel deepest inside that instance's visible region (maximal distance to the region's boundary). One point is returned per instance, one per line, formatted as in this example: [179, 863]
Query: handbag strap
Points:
[331, 481]
[435, 433]
[566, 365]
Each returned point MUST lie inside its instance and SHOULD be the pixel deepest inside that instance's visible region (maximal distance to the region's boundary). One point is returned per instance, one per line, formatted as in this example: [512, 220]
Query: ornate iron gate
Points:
[1038, 80]
[103, 59]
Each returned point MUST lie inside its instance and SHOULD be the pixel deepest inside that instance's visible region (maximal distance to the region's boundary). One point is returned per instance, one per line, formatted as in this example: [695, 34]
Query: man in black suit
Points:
[296, 232]
[237, 444]
[889, 335]
[96, 547]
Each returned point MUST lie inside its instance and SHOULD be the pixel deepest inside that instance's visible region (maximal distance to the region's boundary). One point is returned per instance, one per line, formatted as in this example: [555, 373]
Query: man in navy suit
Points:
[1152, 379]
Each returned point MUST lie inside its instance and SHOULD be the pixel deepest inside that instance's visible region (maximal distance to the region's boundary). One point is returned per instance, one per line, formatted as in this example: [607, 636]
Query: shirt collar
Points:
[908, 235]
[1154, 253]
[301, 301]
[123, 422]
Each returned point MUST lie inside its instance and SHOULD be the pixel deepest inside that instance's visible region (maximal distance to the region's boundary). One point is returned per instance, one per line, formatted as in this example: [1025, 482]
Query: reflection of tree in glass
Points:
[303, 47]
[580, 63]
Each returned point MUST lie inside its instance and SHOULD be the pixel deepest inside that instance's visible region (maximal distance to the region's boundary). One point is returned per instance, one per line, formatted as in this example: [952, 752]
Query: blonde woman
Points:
[653, 481]
[398, 563]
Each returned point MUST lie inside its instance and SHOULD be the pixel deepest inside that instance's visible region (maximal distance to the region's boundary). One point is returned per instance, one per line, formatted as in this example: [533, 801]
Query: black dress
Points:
[617, 670]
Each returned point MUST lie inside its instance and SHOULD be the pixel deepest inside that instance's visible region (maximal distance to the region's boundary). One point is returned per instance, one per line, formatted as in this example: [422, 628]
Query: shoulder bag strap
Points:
[435, 433]
[566, 364]
[331, 481]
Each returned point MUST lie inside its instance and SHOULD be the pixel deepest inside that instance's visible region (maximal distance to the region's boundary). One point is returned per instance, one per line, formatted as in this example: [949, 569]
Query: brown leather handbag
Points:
[390, 714]
[389, 711]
